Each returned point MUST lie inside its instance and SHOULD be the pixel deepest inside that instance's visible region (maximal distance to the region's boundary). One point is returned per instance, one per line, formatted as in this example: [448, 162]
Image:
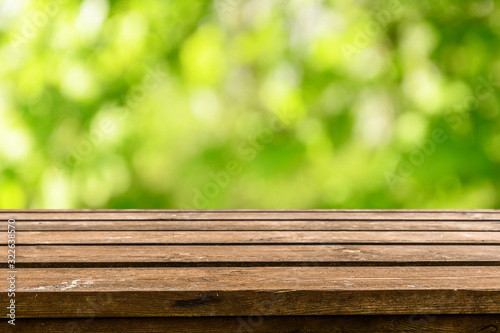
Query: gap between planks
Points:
[416, 323]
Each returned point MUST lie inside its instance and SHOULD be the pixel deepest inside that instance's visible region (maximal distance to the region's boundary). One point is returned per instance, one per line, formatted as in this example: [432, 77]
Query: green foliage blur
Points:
[249, 104]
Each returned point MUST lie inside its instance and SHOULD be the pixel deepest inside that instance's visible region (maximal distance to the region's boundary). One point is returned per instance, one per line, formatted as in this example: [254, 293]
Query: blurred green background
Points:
[249, 104]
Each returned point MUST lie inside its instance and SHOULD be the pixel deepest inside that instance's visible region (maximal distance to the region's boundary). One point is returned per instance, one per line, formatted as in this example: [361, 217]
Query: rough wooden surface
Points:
[254, 237]
[226, 291]
[263, 255]
[111, 268]
[252, 215]
[334, 225]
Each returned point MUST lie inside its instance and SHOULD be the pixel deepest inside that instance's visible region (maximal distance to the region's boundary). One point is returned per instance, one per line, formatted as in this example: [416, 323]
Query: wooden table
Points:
[254, 271]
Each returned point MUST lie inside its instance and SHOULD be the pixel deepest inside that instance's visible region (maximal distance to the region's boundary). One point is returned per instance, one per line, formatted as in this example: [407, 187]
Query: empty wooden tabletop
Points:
[319, 265]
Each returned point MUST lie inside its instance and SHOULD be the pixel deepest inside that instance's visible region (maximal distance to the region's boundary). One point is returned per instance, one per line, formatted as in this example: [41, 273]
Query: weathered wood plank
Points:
[313, 255]
[408, 215]
[221, 291]
[264, 278]
[262, 324]
[253, 237]
[126, 225]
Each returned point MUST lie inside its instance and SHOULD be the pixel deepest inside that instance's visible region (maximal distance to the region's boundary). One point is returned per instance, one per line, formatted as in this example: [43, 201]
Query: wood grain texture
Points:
[288, 255]
[364, 225]
[254, 237]
[255, 270]
[138, 303]
[421, 323]
[260, 278]
[222, 291]
[253, 215]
